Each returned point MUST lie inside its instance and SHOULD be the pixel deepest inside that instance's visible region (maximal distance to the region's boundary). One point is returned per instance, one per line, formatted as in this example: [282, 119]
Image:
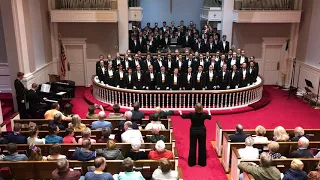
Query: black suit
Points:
[20, 96]
[160, 83]
[211, 47]
[134, 64]
[235, 81]
[150, 83]
[102, 74]
[128, 83]
[186, 42]
[175, 85]
[244, 80]
[127, 65]
[253, 75]
[302, 153]
[110, 79]
[137, 116]
[35, 102]
[138, 83]
[237, 63]
[157, 65]
[188, 85]
[224, 81]
[145, 66]
[190, 63]
[166, 43]
[134, 46]
[119, 81]
[117, 61]
[224, 49]
[172, 65]
[245, 60]
[211, 81]
[198, 47]
[238, 137]
[201, 83]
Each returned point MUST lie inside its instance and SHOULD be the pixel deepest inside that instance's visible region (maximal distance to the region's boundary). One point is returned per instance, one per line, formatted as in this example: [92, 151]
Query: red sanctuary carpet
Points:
[280, 111]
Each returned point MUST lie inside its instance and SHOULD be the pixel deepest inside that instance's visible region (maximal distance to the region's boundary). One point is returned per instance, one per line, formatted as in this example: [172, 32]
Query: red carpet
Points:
[288, 113]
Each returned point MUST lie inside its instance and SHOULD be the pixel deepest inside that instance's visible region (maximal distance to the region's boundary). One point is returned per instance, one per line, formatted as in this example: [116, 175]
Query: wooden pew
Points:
[314, 135]
[285, 149]
[43, 124]
[282, 164]
[43, 169]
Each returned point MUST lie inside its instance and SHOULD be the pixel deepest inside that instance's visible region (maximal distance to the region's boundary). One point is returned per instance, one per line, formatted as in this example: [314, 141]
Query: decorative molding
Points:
[277, 16]
[84, 15]
[304, 71]
[135, 14]
[39, 76]
[211, 14]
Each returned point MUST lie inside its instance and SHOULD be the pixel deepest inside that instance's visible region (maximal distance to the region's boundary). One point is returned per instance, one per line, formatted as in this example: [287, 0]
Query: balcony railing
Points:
[264, 5]
[212, 3]
[86, 4]
[134, 3]
[179, 100]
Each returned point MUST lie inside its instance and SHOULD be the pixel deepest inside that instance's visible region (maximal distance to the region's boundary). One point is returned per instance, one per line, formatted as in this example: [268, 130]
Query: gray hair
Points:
[249, 141]
[102, 115]
[298, 131]
[265, 159]
[303, 142]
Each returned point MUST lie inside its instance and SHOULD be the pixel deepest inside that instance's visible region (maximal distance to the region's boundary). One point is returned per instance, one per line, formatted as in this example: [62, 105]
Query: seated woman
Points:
[33, 138]
[76, 123]
[164, 171]
[249, 152]
[295, 172]
[160, 152]
[86, 134]
[135, 152]
[314, 175]
[110, 152]
[105, 136]
[70, 136]
[273, 147]
[280, 134]
[35, 154]
[156, 136]
[116, 113]
[55, 152]
[128, 171]
[91, 111]
[154, 123]
[260, 135]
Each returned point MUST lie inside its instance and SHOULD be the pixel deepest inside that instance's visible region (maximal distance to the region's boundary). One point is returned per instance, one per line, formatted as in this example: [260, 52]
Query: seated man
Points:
[137, 115]
[55, 107]
[130, 134]
[35, 102]
[15, 136]
[239, 136]
[303, 151]
[154, 123]
[105, 136]
[84, 153]
[163, 114]
[101, 123]
[91, 111]
[86, 135]
[128, 173]
[64, 172]
[57, 119]
[160, 152]
[263, 171]
[135, 152]
[53, 138]
[13, 154]
[298, 133]
[116, 113]
[156, 136]
[100, 164]
[249, 152]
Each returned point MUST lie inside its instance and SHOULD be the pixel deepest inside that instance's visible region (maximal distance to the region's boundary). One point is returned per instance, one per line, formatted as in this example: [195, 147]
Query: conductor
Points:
[197, 133]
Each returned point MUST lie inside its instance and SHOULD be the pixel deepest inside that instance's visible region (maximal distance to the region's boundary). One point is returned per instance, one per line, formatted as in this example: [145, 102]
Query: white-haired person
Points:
[128, 117]
[128, 172]
[154, 123]
[155, 137]
[260, 135]
[302, 151]
[130, 134]
[249, 152]
[280, 134]
[86, 135]
[298, 133]
[135, 152]
[101, 123]
[165, 171]
[163, 114]
[160, 152]
[296, 171]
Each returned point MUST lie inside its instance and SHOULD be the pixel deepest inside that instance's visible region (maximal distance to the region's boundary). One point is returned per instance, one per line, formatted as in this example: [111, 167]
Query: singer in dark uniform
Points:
[20, 95]
[197, 134]
[119, 77]
[163, 79]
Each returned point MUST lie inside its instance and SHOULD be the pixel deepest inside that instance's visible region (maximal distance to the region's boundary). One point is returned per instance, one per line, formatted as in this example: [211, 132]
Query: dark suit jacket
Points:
[160, 84]
[226, 49]
[124, 65]
[188, 85]
[34, 99]
[224, 81]
[137, 116]
[244, 81]
[238, 137]
[185, 43]
[166, 44]
[118, 80]
[134, 47]
[253, 75]
[101, 76]
[16, 138]
[296, 138]
[128, 84]
[202, 84]
[157, 66]
[136, 82]
[302, 153]
[246, 60]
[110, 78]
[144, 64]
[114, 62]
[175, 86]
[235, 81]
[211, 82]
[148, 82]
[20, 90]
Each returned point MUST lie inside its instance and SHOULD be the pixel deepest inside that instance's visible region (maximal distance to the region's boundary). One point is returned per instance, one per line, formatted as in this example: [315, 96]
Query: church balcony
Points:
[271, 16]
[211, 13]
[135, 14]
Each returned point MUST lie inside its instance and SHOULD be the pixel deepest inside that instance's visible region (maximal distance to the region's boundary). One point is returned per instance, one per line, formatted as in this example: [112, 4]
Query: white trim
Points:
[39, 76]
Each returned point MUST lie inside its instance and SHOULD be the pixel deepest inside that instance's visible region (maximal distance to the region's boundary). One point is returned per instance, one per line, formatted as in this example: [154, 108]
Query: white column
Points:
[54, 41]
[123, 26]
[227, 19]
[292, 51]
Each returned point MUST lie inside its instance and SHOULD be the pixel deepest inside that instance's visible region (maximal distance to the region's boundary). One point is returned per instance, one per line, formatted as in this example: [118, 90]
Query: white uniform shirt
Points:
[103, 70]
[163, 77]
[242, 59]
[110, 72]
[189, 77]
[179, 64]
[244, 73]
[233, 62]
[151, 76]
[199, 76]
[139, 75]
[121, 74]
[129, 77]
[202, 63]
[160, 63]
[169, 64]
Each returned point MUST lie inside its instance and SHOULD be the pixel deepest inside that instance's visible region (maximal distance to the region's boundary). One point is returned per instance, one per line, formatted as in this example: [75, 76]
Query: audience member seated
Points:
[127, 116]
[57, 119]
[137, 115]
[130, 134]
[135, 152]
[33, 138]
[239, 136]
[273, 147]
[164, 171]
[260, 133]
[55, 107]
[154, 123]
[295, 172]
[110, 152]
[15, 136]
[70, 136]
[76, 123]
[116, 113]
[263, 171]
[314, 175]
[128, 173]
[13, 154]
[64, 172]
[280, 134]
[303, 151]
[101, 123]
[84, 153]
[163, 114]
[298, 133]
[86, 134]
[35, 154]
[100, 164]
[55, 151]
[53, 138]
[249, 152]
[105, 136]
[67, 110]
[160, 152]
[91, 111]
[156, 136]
[2, 139]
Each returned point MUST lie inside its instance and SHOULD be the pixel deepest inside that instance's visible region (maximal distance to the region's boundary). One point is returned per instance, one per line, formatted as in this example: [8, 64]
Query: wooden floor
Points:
[220, 159]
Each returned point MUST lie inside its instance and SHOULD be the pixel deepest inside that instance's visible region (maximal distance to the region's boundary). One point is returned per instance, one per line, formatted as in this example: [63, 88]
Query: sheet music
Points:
[53, 101]
[45, 88]
[61, 93]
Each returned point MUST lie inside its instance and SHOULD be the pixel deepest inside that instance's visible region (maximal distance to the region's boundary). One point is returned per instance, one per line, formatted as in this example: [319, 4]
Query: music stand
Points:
[308, 83]
[309, 95]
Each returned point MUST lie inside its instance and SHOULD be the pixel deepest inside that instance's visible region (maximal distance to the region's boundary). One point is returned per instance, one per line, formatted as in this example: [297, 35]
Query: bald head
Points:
[298, 131]
[158, 109]
[303, 142]
[102, 115]
[239, 128]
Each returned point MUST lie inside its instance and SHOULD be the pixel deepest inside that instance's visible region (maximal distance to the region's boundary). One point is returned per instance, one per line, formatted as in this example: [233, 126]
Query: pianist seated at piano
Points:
[55, 107]
[34, 100]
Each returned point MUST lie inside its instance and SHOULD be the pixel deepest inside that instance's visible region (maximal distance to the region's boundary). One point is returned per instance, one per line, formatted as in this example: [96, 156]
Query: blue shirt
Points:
[52, 139]
[15, 157]
[16, 138]
[93, 176]
[100, 124]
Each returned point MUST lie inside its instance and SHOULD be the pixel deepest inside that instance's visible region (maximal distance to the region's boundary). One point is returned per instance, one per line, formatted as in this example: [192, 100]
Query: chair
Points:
[309, 96]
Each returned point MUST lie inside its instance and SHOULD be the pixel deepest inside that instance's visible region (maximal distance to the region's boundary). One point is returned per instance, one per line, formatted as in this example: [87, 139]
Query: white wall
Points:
[3, 53]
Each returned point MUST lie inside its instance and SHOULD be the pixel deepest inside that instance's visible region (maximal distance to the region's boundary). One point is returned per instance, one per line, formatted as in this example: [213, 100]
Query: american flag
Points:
[63, 60]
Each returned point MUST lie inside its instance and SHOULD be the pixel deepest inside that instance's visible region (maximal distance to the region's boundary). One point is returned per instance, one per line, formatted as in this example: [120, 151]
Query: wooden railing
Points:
[85, 4]
[179, 100]
[264, 4]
